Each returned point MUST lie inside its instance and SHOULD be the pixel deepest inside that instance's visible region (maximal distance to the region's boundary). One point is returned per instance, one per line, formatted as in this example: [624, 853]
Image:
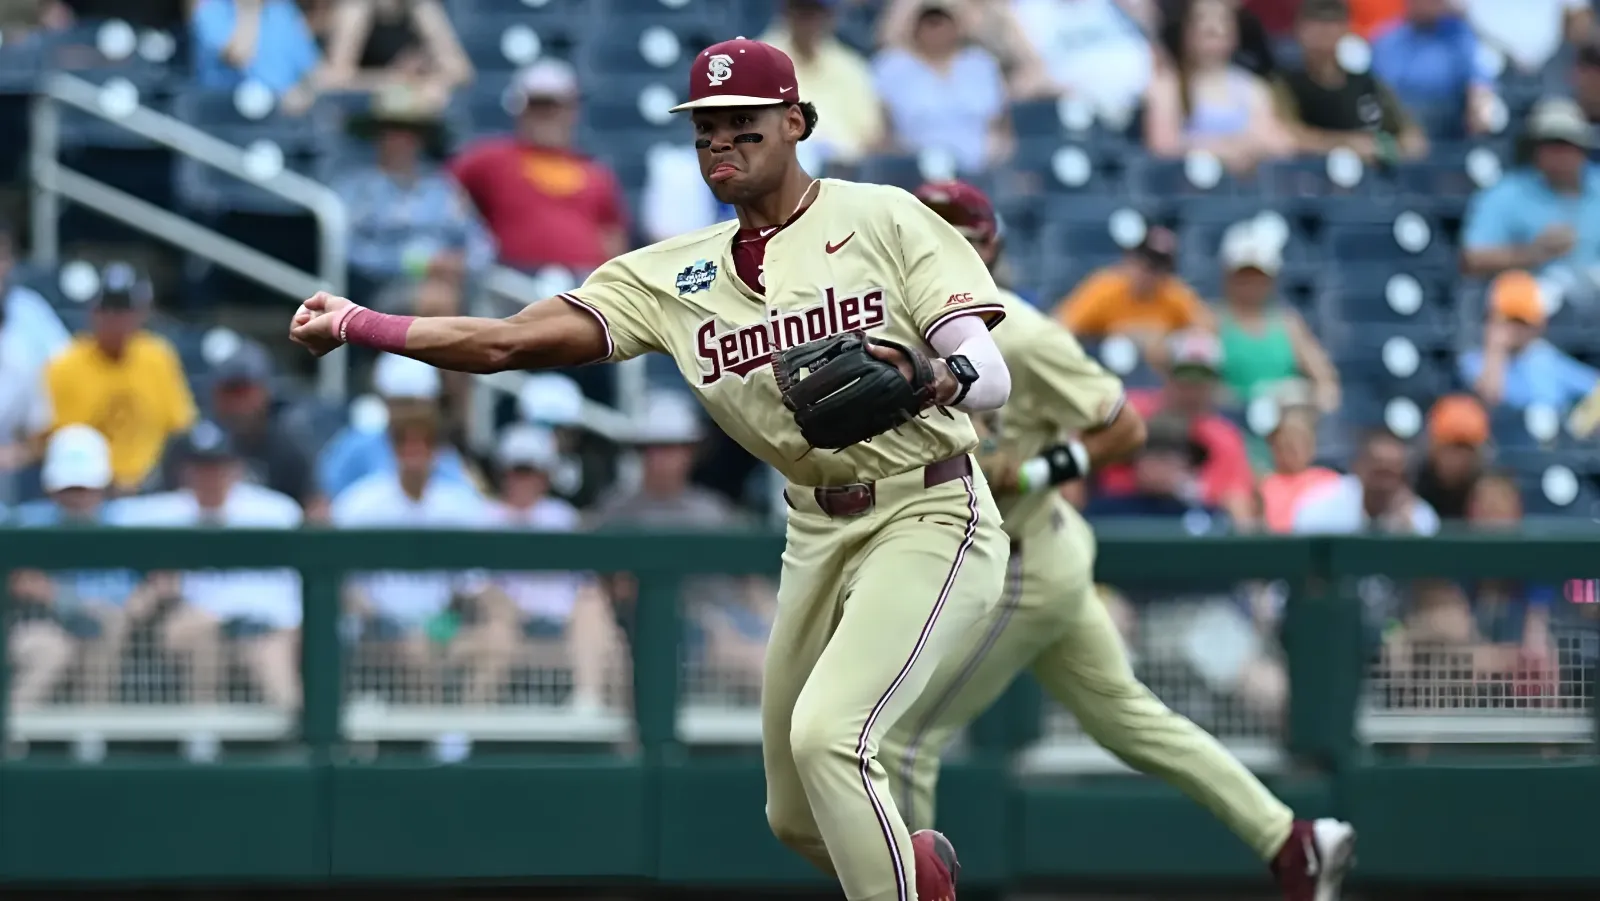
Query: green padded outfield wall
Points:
[672, 816]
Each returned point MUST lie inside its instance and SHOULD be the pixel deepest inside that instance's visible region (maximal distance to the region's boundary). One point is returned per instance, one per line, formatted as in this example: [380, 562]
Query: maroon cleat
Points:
[1313, 860]
[937, 867]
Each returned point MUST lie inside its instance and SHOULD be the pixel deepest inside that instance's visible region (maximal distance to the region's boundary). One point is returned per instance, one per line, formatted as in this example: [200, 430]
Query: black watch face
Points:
[961, 368]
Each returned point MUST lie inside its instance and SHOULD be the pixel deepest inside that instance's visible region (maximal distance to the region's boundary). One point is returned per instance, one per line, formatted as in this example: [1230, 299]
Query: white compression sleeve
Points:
[969, 336]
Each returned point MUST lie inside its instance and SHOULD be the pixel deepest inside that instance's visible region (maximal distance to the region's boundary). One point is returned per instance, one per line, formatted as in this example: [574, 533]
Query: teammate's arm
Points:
[1088, 400]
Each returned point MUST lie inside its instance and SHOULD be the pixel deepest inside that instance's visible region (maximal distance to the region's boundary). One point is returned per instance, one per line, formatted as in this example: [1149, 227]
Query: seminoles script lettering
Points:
[748, 348]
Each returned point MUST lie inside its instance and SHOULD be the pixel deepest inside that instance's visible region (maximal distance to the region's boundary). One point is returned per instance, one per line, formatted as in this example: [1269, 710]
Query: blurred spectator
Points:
[1190, 392]
[943, 93]
[833, 77]
[1139, 297]
[21, 20]
[242, 405]
[1529, 32]
[729, 617]
[552, 620]
[1265, 342]
[584, 461]
[1204, 102]
[122, 380]
[414, 237]
[89, 605]
[1166, 482]
[363, 448]
[409, 621]
[25, 416]
[1093, 50]
[28, 324]
[1458, 435]
[211, 617]
[1327, 106]
[1516, 366]
[262, 41]
[1491, 631]
[1293, 443]
[373, 44]
[1544, 212]
[993, 25]
[1253, 48]
[1376, 497]
[1370, 18]
[1431, 60]
[544, 201]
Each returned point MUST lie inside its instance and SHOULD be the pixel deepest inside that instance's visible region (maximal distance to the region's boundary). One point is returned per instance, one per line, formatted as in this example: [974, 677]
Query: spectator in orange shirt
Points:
[1190, 391]
[1294, 448]
[1458, 431]
[1139, 297]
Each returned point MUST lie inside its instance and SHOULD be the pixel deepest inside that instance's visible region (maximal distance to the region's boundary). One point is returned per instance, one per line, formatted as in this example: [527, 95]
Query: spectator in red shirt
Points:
[1226, 480]
[545, 202]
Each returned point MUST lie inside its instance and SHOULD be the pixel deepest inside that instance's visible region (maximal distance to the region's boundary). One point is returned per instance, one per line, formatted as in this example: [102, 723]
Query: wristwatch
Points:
[965, 374]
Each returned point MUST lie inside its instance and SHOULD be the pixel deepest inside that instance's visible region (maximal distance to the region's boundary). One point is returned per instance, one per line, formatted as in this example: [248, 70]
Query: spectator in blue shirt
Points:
[363, 447]
[265, 41]
[414, 238]
[86, 604]
[943, 93]
[1517, 367]
[1432, 62]
[1544, 216]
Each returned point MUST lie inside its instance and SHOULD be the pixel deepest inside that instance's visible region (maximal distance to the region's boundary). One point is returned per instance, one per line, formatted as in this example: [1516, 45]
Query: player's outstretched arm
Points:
[546, 334]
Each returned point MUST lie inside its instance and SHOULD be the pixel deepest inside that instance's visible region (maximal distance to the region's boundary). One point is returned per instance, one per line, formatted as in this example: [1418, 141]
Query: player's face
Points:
[741, 171]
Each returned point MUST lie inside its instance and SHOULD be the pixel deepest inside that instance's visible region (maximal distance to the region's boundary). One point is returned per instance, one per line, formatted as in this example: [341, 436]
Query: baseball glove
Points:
[840, 394]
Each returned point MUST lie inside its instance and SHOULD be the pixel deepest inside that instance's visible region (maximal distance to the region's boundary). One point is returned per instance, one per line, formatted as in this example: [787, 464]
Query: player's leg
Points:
[966, 683]
[929, 576]
[808, 596]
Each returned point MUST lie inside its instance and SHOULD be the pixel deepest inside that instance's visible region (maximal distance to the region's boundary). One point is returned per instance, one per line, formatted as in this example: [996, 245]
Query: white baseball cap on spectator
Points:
[524, 446]
[1559, 119]
[670, 418]
[76, 457]
[551, 399]
[395, 376]
[1246, 246]
[547, 79]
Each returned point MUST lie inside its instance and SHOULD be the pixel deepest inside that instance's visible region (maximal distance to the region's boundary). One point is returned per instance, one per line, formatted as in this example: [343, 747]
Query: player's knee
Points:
[818, 741]
[794, 828]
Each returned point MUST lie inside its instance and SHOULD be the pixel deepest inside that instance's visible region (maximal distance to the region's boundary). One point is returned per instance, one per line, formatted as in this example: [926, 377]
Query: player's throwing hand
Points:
[316, 324]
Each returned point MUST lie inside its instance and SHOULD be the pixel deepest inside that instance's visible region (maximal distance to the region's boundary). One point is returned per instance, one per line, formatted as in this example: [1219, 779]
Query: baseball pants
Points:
[868, 606]
[1051, 620]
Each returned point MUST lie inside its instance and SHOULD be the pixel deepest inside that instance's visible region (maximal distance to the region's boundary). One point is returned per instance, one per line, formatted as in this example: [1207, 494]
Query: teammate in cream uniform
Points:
[895, 550]
[1066, 415]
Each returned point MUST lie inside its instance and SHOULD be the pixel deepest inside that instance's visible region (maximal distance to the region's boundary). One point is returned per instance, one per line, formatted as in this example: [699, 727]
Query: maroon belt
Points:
[854, 500]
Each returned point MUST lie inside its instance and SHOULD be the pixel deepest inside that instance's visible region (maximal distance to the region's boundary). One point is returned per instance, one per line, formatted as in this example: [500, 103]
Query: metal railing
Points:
[52, 182]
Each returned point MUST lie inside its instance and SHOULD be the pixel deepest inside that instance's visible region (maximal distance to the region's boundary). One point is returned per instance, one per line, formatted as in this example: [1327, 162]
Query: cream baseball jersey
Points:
[1057, 390]
[867, 257]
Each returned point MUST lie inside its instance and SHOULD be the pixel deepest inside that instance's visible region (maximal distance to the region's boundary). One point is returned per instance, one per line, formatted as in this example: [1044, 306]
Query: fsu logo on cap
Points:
[719, 69]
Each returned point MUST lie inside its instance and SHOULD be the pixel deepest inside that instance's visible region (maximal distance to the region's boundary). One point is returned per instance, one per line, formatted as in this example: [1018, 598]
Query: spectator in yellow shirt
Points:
[123, 381]
[834, 77]
[1139, 297]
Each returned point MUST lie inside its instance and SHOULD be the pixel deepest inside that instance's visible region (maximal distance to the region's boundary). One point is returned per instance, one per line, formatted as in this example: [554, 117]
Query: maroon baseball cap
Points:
[741, 72]
[962, 205]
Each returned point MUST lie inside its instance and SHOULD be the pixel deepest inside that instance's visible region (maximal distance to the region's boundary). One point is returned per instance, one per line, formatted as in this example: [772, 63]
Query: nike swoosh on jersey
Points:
[834, 248]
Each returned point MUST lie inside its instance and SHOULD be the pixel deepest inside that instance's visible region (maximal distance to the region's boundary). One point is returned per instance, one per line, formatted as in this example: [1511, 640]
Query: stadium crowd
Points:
[1346, 254]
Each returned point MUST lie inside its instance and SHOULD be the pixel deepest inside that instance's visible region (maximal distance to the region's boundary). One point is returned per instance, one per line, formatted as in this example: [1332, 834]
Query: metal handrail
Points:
[52, 181]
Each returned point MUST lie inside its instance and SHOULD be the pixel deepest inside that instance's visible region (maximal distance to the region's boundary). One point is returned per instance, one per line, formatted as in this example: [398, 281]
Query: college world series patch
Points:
[698, 277]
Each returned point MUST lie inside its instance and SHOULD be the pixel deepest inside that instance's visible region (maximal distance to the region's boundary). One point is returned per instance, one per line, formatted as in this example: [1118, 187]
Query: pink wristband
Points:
[379, 331]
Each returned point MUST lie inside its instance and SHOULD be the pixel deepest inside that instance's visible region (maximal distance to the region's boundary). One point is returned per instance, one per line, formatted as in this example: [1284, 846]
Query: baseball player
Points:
[1050, 619]
[804, 328]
